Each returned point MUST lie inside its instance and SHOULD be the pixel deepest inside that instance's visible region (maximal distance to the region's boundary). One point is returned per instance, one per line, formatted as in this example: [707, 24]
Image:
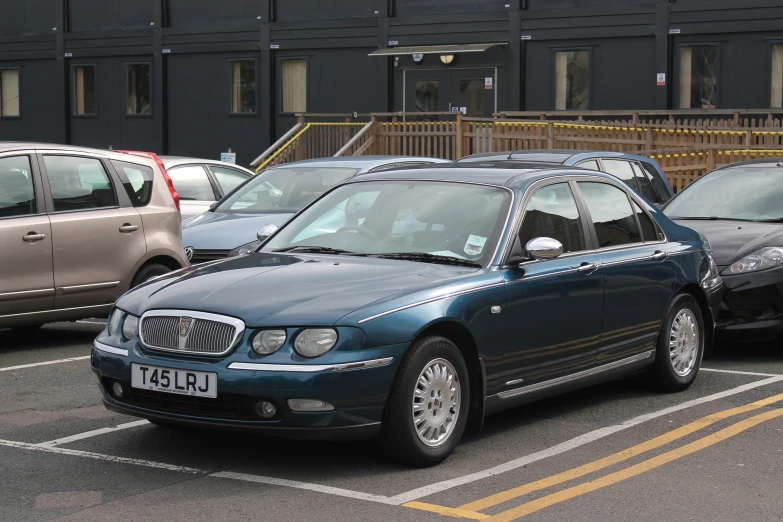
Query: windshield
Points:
[747, 193]
[454, 220]
[283, 189]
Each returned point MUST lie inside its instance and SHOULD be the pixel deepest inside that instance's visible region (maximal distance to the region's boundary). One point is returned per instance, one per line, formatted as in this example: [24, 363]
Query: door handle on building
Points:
[33, 237]
[127, 227]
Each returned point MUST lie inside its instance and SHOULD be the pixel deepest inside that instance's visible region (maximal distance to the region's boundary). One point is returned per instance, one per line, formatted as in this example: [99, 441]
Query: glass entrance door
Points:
[470, 91]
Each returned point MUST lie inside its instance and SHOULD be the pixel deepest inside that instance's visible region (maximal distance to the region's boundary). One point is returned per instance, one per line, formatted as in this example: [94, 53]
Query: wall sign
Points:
[488, 81]
[69, 55]
[166, 51]
[228, 157]
[661, 79]
[417, 57]
[674, 31]
[393, 42]
[274, 46]
[526, 37]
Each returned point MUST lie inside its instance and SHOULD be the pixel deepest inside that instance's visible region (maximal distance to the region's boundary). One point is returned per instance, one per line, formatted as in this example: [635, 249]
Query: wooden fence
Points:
[685, 152]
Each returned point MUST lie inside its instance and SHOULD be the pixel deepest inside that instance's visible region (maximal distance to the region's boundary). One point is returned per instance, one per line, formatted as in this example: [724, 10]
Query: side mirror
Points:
[266, 231]
[544, 248]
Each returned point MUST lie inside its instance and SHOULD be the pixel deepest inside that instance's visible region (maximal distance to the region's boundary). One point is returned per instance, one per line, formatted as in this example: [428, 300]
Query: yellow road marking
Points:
[505, 496]
[637, 469]
[446, 511]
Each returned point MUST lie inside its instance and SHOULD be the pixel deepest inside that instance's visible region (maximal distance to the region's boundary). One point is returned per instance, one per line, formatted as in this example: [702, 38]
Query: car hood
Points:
[733, 240]
[266, 289]
[218, 231]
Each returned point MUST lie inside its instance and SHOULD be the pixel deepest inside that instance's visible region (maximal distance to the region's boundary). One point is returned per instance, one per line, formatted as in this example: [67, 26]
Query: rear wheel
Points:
[427, 408]
[148, 272]
[680, 345]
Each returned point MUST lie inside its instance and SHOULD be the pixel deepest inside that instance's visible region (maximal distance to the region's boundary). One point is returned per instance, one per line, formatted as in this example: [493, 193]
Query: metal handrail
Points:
[276, 144]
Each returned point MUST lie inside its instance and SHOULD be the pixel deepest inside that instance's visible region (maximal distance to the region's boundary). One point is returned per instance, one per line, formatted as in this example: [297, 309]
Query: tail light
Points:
[157, 160]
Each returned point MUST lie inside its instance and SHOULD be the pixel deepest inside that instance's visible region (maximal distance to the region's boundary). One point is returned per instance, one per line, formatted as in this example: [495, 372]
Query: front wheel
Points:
[149, 272]
[427, 407]
[680, 345]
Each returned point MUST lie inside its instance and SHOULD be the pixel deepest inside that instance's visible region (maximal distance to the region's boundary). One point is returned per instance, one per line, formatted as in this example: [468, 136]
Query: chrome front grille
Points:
[190, 332]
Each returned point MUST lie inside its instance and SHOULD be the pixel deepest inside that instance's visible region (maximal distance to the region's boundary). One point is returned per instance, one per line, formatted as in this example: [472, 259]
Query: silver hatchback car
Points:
[78, 228]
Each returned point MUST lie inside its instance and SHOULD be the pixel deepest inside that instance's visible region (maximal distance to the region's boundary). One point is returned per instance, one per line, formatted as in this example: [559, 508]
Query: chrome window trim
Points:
[575, 376]
[311, 368]
[238, 324]
[110, 349]
[431, 300]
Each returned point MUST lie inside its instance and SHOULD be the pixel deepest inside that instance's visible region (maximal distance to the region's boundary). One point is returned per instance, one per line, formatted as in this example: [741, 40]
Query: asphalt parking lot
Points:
[615, 452]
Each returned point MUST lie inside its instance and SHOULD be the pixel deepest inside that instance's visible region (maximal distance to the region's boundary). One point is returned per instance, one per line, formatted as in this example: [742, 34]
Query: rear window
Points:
[137, 180]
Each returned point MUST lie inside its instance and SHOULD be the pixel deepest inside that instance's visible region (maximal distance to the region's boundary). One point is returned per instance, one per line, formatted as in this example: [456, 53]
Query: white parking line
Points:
[45, 363]
[101, 456]
[93, 433]
[413, 494]
[737, 372]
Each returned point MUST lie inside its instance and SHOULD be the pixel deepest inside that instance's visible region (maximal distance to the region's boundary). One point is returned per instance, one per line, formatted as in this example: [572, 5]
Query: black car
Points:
[739, 208]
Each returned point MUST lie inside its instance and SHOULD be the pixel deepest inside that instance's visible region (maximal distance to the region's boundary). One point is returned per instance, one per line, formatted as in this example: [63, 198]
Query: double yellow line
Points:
[472, 510]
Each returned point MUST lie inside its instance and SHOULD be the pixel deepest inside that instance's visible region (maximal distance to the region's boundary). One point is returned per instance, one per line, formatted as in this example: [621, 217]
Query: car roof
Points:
[775, 161]
[500, 176]
[360, 162]
[174, 161]
[11, 146]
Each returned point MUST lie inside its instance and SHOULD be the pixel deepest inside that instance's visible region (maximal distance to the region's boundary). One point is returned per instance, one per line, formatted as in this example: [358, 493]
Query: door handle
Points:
[660, 255]
[586, 268]
[127, 227]
[32, 237]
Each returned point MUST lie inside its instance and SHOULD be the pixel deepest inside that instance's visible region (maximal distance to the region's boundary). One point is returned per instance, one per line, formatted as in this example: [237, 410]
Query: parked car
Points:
[201, 182]
[739, 208]
[641, 173]
[78, 228]
[232, 226]
[459, 292]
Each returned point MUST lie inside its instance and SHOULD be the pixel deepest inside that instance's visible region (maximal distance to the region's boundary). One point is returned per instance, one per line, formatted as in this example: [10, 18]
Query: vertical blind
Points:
[294, 85]
[9, 91]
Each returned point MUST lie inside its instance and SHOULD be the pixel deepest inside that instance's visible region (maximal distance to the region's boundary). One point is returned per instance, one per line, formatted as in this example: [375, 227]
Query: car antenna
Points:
[511, 154]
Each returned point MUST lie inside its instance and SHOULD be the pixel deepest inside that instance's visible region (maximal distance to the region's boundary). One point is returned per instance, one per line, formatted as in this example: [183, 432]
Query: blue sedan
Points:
[447, 294]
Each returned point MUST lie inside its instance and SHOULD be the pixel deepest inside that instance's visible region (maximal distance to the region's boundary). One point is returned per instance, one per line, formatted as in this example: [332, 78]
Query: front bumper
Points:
[358, 392]
[752, 303]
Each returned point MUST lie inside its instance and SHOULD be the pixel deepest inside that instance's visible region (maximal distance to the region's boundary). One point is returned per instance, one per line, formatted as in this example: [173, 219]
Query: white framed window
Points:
[85, 90]
[243, 87]
[698, 86]
[9, 92]
[293, 74]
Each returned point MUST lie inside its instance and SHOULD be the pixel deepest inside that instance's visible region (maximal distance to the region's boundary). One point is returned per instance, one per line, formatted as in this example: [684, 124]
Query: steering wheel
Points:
[361, 230]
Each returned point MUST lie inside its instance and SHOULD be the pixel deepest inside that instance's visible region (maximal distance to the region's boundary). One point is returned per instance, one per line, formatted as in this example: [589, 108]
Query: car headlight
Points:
[114, 321]
[761, 259]
[245, 249]
[315, 341]
[712, 278]
[267, 342]
[130, 327]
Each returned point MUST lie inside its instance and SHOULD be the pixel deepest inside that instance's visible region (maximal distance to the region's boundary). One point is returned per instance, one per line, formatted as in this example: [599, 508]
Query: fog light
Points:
[309, 405]
[265, 409]
[117, 390]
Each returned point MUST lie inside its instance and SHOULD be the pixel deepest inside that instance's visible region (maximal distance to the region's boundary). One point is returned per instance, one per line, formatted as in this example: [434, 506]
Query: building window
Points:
[243, 87]
[777, 76]
[572, 79]
[139, 89]
[84, 90]
[699, 77]
[9, 92]
[294, 85]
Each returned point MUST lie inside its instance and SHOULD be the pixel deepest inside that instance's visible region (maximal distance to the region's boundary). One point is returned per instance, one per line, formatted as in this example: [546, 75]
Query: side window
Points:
[137, 180]
[610, 210]
[552, 212]
[657, 182]
[649, 230]
[589, 164]
[644, 186]
[191, 183]
[78, 183]
[17, 197]
[621, 169]
[228, 178]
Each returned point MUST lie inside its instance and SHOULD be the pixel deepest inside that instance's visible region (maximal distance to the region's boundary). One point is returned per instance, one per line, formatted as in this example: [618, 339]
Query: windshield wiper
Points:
[313, 250]
[428, 258]
[775, 220]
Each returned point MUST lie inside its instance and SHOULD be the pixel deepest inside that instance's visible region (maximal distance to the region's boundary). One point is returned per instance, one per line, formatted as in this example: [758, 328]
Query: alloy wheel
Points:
[436, 402]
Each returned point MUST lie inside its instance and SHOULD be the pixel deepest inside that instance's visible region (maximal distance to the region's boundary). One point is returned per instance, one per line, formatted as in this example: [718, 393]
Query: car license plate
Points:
[169, 380]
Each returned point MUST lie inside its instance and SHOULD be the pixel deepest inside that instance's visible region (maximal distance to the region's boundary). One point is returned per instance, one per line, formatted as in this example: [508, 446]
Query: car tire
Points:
[148, 272]
[432, 368]
[680, 345]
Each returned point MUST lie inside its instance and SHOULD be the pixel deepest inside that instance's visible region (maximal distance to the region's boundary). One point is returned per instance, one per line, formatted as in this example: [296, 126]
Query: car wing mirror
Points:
[544, 248]
[266, 231]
